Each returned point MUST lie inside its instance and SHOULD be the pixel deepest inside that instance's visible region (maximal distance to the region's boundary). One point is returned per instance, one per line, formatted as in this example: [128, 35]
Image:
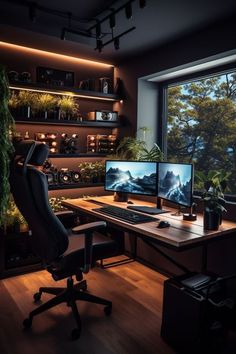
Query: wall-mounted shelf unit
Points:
[65, 91]
[84, 123]
[76, 155]
[74, 186]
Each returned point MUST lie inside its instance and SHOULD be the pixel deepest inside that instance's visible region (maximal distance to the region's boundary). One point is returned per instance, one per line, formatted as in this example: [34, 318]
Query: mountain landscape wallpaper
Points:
[175, 183]
[135, 177]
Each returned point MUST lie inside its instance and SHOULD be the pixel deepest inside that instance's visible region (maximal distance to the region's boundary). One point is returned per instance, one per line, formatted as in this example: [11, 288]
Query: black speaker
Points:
[75, 176]
[64, 176]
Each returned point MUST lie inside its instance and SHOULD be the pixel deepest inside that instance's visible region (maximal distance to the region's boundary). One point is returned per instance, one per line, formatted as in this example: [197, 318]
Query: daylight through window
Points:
[201, 124]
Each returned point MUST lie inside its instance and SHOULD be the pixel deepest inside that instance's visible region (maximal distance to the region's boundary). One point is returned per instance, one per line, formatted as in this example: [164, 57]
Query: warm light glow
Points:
[53, 55]
[61, 93]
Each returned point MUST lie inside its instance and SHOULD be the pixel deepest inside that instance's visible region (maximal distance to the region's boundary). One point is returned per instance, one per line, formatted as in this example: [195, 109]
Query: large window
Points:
[201, 124]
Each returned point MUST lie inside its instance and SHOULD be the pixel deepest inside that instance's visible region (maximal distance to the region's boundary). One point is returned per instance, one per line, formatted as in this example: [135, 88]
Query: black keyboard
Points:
[125, 214]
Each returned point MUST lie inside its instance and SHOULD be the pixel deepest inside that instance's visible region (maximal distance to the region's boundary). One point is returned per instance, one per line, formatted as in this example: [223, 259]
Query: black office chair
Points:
[64, 255]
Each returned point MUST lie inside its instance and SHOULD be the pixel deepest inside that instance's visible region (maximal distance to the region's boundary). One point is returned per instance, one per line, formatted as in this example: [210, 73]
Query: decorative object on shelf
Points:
[45, 106]
[104, 115]
[51, 172]
[105, 144]
[68, 145]
[14, 76]
[92, 172]
[50, 139]
[55, 77]
[214, 183]
[6, 147]
[119, 88]
[105, 85]
[68, 108]
[91, 143]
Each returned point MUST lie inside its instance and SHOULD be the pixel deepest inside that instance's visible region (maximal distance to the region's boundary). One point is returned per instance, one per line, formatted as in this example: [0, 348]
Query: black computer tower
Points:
[190, 323]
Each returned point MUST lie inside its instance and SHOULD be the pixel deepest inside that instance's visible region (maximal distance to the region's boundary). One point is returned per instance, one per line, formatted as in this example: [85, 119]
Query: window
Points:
[201, 124]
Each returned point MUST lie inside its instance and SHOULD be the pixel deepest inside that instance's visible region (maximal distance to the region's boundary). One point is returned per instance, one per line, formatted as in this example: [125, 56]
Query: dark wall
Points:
[195, 46]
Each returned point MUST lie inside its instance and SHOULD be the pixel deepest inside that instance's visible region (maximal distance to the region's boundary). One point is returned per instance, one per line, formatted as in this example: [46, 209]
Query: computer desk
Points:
[180, 236]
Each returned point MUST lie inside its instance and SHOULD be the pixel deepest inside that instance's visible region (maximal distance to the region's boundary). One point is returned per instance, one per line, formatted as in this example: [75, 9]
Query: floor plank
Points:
[133, 328]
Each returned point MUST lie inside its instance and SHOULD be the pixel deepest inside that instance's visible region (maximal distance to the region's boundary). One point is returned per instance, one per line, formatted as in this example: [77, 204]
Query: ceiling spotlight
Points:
[117, 43]
[63, 34]
[128, 10]
[99, 45]
[142, 3]
[98, 30]
[112, 20]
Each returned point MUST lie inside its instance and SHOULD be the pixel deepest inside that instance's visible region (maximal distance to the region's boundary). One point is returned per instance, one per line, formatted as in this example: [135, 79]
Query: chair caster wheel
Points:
[37, 297]
[108, 310]
[27, 323]
[75, 333]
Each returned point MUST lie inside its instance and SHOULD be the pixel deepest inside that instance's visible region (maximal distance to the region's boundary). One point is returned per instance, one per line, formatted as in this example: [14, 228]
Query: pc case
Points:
[191, 323]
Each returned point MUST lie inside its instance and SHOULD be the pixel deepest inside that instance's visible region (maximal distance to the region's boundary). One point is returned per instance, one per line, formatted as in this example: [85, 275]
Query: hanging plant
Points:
[6, 147]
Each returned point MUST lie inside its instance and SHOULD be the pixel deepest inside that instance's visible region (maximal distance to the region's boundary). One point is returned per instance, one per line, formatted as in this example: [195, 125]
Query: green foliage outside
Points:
[202, 125]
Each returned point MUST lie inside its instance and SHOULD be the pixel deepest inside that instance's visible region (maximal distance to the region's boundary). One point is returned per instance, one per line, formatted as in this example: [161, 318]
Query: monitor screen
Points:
[175, 182]
[135, 177]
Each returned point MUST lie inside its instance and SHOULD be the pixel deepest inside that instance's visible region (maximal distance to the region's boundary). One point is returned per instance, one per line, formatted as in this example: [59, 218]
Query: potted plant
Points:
[214, 183]
[25, 102]
[15, 222]
[68, 108]
[13, 103]
[6, 147]
[44, 105]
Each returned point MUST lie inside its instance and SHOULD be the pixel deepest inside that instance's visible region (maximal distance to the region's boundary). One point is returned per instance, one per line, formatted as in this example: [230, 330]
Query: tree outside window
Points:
[201, 125]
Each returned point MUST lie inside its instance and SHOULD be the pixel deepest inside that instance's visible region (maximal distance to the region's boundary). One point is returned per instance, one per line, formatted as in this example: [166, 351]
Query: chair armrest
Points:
[87, 230]
[90, 227]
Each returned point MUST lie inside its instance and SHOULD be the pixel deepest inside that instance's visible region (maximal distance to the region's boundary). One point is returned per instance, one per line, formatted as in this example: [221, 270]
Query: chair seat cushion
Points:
[72, 260]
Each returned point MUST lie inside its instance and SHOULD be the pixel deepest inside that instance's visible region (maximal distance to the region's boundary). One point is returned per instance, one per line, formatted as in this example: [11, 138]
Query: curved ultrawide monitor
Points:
[134, 177]
[175, 182]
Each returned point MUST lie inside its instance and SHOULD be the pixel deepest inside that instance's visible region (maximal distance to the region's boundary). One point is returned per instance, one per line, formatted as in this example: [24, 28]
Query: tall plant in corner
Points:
[6, 147]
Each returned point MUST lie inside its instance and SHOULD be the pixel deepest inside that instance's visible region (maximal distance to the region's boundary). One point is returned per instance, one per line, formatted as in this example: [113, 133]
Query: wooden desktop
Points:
[180, 235]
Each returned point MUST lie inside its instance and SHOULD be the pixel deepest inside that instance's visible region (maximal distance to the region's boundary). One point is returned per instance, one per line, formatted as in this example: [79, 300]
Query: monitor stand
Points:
[121, 197]
[149, 210]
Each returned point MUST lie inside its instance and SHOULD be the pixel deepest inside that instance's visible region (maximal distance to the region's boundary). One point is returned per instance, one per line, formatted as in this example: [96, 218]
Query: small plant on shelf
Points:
[25, 101]
[44, 105]
[68, 108]
[92, 171]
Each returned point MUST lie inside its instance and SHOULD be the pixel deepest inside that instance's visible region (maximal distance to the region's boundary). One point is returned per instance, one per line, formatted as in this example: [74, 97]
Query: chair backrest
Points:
[29, 188]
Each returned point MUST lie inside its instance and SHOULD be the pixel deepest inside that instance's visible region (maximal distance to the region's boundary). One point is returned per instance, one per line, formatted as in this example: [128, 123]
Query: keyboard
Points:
[125, 214]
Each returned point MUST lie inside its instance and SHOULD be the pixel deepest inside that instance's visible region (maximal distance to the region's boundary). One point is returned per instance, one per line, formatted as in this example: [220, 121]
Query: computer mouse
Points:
[163, 224]
[129, 202]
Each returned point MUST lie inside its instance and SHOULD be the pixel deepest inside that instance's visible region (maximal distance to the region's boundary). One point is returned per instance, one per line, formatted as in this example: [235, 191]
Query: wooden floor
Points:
[133, 328]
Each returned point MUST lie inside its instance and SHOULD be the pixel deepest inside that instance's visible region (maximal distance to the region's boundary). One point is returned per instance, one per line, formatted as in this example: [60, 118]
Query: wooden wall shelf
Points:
[85, 123]
[64, 91]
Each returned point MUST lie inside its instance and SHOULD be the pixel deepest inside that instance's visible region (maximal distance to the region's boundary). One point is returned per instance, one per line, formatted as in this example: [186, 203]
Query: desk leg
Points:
[128, 259]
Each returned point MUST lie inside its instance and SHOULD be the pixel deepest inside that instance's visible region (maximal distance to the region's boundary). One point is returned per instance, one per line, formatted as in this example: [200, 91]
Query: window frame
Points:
[163, 109]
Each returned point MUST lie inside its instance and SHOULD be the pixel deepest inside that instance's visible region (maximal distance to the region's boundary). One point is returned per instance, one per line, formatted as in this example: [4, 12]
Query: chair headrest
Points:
[24, 148]
[39, 155]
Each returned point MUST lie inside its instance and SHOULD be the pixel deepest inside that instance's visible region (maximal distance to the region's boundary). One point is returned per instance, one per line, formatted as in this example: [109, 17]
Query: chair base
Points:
[69, 295]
